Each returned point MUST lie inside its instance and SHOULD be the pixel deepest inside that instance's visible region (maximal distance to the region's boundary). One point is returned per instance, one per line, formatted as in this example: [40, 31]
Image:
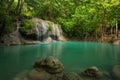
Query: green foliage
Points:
[50, 27]
[10, 26]
[27, 25]
[78, 18]
[6, 21]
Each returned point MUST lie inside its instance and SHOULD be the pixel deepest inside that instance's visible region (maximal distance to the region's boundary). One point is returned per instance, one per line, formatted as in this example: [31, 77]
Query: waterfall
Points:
[43, 33]
[18, 26]
[37, 30]
[57, 31]
[54, 31]
[41, 28]
[44, 30]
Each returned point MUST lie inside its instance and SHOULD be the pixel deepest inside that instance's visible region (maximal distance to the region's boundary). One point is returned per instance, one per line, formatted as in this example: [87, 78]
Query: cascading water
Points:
[42, 30]
[18, 25]
[54, 31]
[57, 31]
[37, 30]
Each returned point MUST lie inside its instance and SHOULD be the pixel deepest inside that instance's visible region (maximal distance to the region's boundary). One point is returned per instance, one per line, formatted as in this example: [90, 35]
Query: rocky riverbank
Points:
[113, 39]
[51, 68]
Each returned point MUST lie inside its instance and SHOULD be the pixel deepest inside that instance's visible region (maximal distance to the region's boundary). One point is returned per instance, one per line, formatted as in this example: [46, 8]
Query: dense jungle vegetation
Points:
[78, 18]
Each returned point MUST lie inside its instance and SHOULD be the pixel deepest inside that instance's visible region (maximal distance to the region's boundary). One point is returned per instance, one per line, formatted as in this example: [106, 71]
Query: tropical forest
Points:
[59, 39]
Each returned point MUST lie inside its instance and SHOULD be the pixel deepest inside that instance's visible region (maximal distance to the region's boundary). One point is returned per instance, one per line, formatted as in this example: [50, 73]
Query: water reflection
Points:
[76, 56]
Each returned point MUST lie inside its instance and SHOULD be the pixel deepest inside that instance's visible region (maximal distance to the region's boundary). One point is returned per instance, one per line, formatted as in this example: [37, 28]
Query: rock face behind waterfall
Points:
[44, 31]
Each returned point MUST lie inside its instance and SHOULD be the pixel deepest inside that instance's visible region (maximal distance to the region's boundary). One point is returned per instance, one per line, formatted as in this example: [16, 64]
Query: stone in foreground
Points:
[38, 75]
[71, 76]
[92, 72]
[116, 71]
[49, 64]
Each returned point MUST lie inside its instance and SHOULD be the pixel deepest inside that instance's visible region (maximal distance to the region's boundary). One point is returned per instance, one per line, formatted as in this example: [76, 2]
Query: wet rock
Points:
[13, 38]
[21, 76]
[71, 76]
[92, 72]
[49, 39]
[28, 42]
[62, 38]
[116, 71]
[38, 75]
[56, 77]
[49, 64]
[116, 42]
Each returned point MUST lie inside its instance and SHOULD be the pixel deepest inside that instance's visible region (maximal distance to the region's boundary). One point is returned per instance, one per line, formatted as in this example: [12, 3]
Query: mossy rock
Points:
[93, 72]
[71, 76]
[49, 64]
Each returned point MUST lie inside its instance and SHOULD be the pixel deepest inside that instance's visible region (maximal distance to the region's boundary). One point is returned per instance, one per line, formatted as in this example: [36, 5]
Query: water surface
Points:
[76, 56]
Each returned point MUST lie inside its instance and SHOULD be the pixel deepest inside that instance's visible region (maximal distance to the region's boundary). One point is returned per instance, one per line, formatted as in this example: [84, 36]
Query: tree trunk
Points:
[2, 28]
[116, 31]
[111, 31]
[21, 6]
[17, 8]
[10, 5]
[102, 30]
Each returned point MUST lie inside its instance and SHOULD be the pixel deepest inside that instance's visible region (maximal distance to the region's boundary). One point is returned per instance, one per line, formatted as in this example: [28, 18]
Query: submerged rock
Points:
[49, 64]
[116, 71]
[21, 76]
[38, 75]
[92, 72]
[71, 76]
[56, 77]
[50, 68]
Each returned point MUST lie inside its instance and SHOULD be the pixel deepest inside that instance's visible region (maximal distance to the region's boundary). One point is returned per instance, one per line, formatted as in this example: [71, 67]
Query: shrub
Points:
[50, 27]
[27, 25]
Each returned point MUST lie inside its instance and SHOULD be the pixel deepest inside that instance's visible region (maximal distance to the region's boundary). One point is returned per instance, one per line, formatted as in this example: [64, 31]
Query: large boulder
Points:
[116, 71]
[49, 64]
[92, 72]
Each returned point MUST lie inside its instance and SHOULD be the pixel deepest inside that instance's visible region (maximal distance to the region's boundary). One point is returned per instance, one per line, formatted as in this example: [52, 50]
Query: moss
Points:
[59, 26]
[50, 27]
[27, 25]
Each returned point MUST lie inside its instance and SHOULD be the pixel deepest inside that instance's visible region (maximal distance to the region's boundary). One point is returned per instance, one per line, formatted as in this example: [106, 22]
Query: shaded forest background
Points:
[80, 19]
